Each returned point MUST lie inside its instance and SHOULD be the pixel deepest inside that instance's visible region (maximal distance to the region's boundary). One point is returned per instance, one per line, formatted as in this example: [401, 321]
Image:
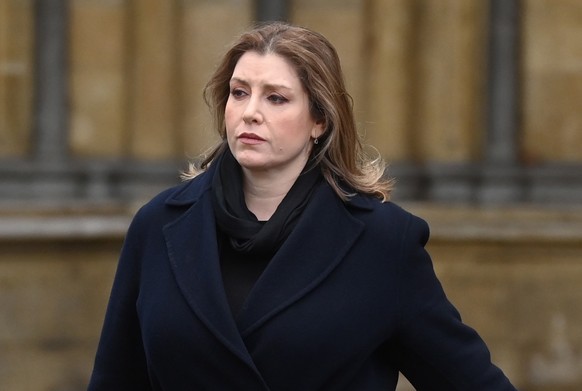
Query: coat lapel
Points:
[319, 242]
[193, 253]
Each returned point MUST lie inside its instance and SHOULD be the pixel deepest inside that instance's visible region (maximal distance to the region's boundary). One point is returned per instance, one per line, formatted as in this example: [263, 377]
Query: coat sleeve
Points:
[434, 349]
[120, 362]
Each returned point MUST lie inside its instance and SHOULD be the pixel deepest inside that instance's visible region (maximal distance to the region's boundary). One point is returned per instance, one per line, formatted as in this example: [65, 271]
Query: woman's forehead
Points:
[269, 68]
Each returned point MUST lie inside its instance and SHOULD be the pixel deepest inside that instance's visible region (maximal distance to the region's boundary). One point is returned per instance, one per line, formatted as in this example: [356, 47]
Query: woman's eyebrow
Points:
[269, 86]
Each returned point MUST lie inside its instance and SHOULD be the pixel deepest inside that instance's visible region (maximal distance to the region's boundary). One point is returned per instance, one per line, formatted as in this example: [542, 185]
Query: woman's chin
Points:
[252, 164]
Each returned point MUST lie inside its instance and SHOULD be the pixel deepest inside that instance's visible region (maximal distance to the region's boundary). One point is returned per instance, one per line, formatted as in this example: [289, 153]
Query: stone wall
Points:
[515, 275]
[52, 296]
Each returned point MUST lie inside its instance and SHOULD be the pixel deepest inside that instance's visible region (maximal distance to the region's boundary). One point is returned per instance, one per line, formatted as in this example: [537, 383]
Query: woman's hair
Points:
[339, 151]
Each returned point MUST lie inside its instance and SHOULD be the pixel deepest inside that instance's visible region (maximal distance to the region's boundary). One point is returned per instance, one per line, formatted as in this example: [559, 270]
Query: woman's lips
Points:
[250, 138]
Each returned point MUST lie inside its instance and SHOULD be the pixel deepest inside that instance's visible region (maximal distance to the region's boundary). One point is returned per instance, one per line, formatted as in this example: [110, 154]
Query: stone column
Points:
[271, 10]
[501, 180]
[53, 174]
[51, 82]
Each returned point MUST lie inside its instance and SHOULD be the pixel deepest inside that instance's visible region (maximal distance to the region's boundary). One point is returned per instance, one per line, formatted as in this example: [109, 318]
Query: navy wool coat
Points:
[349, 300]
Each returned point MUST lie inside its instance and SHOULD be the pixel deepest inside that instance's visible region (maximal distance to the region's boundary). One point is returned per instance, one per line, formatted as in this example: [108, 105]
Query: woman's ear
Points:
[318, 129]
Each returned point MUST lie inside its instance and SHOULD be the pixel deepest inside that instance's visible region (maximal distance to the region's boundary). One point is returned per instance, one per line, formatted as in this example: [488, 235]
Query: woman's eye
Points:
[278, 99]
[237, 93]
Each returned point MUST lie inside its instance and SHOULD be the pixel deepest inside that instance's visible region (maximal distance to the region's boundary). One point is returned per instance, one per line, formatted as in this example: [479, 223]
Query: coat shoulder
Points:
[384, 213]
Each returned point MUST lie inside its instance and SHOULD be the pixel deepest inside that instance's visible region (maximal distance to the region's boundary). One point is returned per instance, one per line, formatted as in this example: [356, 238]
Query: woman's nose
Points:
[252, 112]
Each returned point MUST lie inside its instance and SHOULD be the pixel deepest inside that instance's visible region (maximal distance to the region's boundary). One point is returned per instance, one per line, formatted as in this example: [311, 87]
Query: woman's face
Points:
[268, 124]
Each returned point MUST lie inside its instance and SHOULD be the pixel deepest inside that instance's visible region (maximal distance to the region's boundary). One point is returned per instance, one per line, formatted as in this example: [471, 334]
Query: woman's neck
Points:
[264, 192]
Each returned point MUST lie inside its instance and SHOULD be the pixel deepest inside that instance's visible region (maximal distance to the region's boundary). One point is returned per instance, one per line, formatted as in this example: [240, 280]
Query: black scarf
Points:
[233, 218]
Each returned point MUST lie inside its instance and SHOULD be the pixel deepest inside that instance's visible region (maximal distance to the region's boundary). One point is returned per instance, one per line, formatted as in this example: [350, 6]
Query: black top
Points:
[240, 271]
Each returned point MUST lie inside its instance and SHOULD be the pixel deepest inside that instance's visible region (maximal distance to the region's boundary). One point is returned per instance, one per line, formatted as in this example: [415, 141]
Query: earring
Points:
[315, 141]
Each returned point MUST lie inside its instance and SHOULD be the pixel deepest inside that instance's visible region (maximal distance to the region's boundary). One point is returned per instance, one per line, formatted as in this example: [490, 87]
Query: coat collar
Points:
[191, 191]
[319, 242]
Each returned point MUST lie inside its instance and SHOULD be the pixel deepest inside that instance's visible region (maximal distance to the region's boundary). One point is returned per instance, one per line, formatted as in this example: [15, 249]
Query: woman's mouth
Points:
[250, 138]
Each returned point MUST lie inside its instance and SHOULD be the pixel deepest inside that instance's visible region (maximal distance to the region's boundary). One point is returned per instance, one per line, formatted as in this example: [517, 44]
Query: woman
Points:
[282, 265]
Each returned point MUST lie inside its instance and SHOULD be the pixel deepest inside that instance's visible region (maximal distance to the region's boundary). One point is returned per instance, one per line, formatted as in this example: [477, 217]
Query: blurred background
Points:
[476, 104]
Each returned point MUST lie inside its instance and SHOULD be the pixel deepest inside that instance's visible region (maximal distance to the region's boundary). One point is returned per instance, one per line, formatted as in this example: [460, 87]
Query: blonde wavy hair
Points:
[339, 152]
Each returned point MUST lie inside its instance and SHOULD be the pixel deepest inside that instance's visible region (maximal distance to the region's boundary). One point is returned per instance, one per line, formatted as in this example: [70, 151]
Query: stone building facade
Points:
[474, 103]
